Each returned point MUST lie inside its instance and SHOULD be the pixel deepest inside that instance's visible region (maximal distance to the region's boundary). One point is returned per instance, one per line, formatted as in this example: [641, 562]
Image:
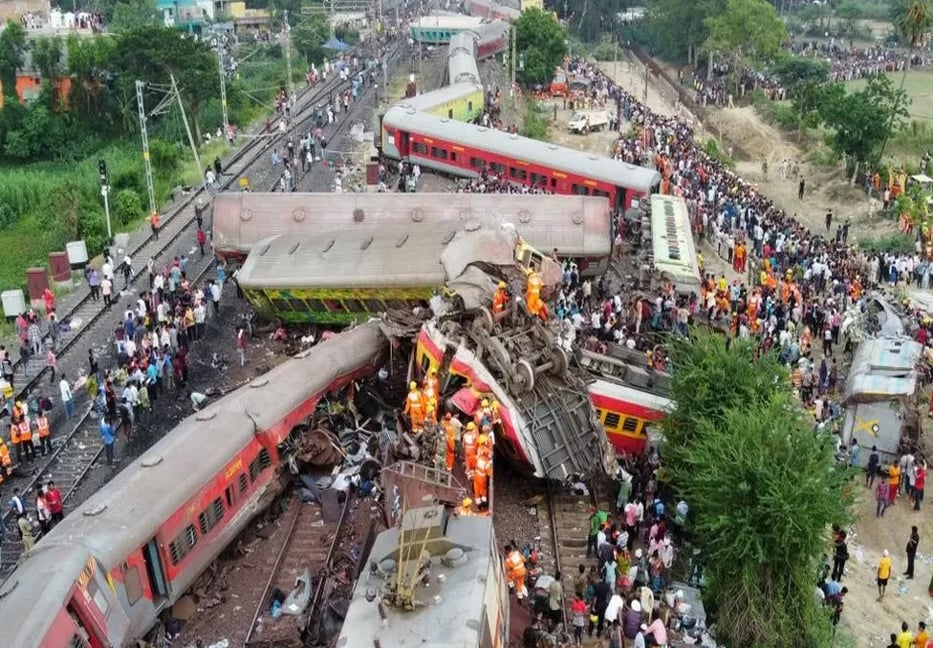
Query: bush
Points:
[711, 147]
[896, 242]
[535, 123]
[127, 206]
[94, 231]
[784, 116]
[165, 156]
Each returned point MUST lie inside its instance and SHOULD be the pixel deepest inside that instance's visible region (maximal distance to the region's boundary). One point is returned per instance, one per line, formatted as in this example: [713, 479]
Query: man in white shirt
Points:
[67, 397]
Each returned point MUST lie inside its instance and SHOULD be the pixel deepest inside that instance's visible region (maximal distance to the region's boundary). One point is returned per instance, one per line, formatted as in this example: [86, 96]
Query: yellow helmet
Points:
[471, 425]
[412, 385]
[485, 403]
[502, 284]
[529, 271]
[432, 371]
[431, 404]
[483, 439]
[467, 502]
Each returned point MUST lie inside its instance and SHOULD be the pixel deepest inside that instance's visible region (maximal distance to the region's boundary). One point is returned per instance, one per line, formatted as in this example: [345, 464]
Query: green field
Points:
[919, 87]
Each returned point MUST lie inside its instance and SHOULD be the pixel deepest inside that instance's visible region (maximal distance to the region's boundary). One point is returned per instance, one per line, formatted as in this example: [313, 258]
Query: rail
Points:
[314, 610]
[552, 515]
[274, 573]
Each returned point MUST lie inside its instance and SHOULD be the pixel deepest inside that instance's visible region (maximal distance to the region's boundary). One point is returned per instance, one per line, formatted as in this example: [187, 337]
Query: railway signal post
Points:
[105, 192]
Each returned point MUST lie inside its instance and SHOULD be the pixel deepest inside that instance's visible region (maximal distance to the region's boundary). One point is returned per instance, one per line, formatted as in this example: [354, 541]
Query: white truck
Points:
[584, 121]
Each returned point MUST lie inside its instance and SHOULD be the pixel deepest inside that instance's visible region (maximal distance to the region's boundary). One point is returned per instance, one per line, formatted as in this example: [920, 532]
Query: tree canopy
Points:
[309, 35]
[747, 30]
[540, 43]
[739, 450]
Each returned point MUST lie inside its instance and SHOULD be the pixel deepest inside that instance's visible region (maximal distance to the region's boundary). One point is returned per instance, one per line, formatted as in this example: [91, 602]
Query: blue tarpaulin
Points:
[336, 44]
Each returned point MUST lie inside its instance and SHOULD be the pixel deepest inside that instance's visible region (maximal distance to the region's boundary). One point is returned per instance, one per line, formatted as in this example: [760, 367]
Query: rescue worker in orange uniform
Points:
[481, 476]
[430, 385]
[500, 298]
[450, 434]
[6, 462]
[533, 295]
[14, 441]
[45, 433]
[469, 448]
[415, 407]
[430, 412]
[25, 439]
[484, 442]
[515, 571]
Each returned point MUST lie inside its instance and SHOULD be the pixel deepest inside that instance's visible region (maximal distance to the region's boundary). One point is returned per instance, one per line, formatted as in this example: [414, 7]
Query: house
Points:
[248, 20]
[29, 81]
[189, 15]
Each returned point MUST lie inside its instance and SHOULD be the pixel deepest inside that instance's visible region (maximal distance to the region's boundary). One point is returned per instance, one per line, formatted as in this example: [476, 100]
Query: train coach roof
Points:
[456, 21]
[526, 149]
[489, 31]
[387, 257]
[457, 91]
[452, 614]
[576, 225]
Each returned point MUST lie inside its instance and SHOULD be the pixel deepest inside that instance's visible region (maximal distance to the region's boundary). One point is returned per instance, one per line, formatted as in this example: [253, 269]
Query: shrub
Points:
[896, 242]
[535, 124]
[127, 206]
[165, 156]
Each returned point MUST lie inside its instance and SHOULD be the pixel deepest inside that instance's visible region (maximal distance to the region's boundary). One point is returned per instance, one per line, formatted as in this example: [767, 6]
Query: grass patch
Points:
[535, 124]
[21, 248]
[896, 242]
[919, 87]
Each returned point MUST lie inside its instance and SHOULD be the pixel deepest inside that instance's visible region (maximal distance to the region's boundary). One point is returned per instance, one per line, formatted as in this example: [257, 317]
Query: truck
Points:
[588, 120]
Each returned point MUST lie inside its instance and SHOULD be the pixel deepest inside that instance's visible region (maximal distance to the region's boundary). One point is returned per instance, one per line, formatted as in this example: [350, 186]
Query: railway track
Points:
[72, 455]
[304, 545]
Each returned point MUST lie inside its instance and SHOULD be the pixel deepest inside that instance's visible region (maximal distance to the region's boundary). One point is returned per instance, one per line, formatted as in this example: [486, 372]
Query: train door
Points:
[155, 571]
[618, 203]
[84, 634]
[402, 143]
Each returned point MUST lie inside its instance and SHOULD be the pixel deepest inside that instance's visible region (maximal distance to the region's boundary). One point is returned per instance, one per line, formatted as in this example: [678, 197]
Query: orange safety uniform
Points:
[43, 424]
[415, 408]
[430, 411]
[6, 462]
[451, 435]
[515, 573]
[499, 300]
[25, 432]
[469, 450]
[430, 385]
[533, 294]
[481, 480]
[14, 434]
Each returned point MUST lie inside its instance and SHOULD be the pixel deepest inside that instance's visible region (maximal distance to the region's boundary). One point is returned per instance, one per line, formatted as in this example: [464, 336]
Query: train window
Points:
[439, 153]
[132, 584]
[229, 496]
[243, 482]
[598, 192]
[477, 163]
[374, 305]
[553, 183]
[210, 516]
[599, 414]
[354, 305]
[630, 424]
[453, 156]
[283, 305]
[334, 305]
[298, 304]
[97, 595]
[260, 463]
[518, 174]
[538, 180]
[419, 148]
[497, 168]
[180, 546]
[315, 304]
[579, 190]
[450, 113]
[611, 421]
[470, 106]
[78, 641]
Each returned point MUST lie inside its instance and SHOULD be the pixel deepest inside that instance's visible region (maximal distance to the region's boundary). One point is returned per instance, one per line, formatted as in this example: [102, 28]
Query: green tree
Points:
[309, 36]
[133, 14]
[796, 71]
[60, 214]
[912, 19]
[742, 453]
[861, 121]
[678, 29]
[89, 64]
[153, 54]
[47, 57]
[12, 50]
[540, 43]
[127, 206]
[746, 32]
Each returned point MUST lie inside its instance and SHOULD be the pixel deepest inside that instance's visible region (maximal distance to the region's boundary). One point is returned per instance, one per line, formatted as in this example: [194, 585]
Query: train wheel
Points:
[523, 378]
[483, 322]
[561, 361]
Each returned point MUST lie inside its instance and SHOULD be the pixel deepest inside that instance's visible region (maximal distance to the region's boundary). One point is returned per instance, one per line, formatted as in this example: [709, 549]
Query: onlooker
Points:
[67, 396]
[882, 574]
[108, 436]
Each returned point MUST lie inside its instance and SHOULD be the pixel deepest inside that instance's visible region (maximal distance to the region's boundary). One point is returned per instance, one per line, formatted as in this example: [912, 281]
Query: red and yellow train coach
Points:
[101, 577]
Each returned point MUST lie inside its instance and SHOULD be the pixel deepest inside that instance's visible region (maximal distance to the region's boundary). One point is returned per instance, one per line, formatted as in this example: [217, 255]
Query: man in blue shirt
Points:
[108, 436]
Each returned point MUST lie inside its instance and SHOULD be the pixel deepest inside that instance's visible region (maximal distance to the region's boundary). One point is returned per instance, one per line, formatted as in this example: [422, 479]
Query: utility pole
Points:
[144, 134]
[288, 57]
[105, 192]
[223, 87]
[184, 118]
[512, 67]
